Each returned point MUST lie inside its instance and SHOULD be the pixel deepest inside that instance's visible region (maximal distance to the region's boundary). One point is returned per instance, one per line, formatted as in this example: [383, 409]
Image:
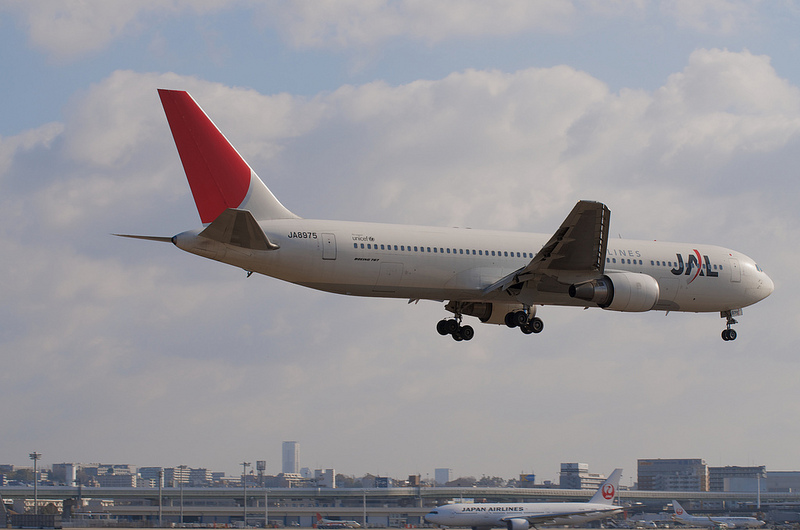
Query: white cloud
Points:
[92, 320]
[358, 23]
[66, 29]
[723, 17]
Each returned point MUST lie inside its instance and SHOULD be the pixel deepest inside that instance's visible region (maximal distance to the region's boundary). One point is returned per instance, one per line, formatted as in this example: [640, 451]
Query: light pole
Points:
[35, 457]
[244, 491]
[183, 470]
[160, 485]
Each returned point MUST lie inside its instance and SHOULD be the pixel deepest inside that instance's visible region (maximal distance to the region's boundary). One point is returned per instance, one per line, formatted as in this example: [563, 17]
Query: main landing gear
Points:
[729, 333]
[453, 327]
[525, 321]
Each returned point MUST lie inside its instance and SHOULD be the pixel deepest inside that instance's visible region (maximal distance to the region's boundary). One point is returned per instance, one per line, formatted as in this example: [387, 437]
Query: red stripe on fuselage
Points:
[218, 176]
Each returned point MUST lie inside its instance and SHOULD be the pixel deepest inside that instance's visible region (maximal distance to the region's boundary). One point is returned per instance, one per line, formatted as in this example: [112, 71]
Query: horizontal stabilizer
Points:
[149, 238]
[238, 228]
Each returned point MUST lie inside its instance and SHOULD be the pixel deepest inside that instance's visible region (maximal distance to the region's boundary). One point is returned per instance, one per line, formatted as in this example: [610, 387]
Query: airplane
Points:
[721, 522]
[498, 277]
[523, 515]
[335, 523]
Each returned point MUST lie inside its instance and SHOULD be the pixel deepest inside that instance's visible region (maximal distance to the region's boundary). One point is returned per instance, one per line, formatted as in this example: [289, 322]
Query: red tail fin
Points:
[218, 175]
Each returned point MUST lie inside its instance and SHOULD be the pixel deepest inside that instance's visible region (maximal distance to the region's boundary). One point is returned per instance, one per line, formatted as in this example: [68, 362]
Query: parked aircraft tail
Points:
[608, 490]
[218, 175]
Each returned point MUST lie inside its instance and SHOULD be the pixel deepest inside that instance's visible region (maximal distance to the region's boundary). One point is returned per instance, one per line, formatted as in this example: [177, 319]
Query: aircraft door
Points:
[328, 246]
[736, 272]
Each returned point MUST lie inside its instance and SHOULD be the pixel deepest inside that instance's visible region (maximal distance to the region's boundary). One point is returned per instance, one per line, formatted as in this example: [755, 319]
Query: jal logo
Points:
[679, 512]
[693, 266]
[608, 492]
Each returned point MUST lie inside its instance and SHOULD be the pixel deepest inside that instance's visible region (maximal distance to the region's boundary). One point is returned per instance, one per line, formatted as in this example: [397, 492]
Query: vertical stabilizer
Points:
[608, 490]
[218, 175]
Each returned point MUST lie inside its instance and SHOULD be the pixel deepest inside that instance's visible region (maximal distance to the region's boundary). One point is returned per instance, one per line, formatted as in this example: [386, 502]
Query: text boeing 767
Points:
[498, 277]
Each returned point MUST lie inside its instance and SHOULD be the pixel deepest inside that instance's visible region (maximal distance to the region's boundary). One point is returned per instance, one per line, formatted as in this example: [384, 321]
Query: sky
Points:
[682, 116]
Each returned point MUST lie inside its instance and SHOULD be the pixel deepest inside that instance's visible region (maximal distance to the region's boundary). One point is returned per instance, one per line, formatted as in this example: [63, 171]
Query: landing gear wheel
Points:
[467, 332]
[520, 318]
[728, 333]
[509, 320]
[452, 326]
[526, 329]
[536, 325]
[441, 327]
[457, 335]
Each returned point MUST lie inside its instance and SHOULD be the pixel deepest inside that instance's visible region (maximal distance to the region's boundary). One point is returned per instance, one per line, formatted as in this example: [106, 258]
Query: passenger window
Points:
[402, 247]
[355, 245]
[473, 252]
[369, 247]
[362, 245]
[720, 267]
[461, 251]
[613, 260]
[429, 249]
[435, 250]
[415, 249]
[480, 253]
[448, 251]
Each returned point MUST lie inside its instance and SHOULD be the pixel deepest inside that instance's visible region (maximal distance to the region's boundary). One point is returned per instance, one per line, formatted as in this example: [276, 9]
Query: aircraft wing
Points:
[577, 248]
[540, 518]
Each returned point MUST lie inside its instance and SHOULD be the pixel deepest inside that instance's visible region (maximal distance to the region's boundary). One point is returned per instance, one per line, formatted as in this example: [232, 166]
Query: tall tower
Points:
[291, 457]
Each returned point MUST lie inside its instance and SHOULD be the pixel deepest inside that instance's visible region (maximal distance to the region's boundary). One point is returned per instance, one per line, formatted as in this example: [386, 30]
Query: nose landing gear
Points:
[729, 333]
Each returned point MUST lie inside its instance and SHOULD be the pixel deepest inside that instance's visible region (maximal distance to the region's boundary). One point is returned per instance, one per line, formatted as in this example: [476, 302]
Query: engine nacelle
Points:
[619, 291]
[487, 312]
[517, 524]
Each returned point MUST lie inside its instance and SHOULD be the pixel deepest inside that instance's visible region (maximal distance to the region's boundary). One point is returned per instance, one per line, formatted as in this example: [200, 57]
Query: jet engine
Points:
[619, 291]
[487, 312]
[517, 524]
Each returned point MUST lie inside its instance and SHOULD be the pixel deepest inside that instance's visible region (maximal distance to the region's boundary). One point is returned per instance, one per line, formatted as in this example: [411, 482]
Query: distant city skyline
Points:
[660, 474]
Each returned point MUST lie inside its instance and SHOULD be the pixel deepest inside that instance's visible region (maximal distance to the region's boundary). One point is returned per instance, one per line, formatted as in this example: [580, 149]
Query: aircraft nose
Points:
[769, 285]
[763, 288]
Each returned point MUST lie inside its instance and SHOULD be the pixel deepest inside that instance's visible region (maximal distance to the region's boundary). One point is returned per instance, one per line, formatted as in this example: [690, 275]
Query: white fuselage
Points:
[419, 262]
[489, 515]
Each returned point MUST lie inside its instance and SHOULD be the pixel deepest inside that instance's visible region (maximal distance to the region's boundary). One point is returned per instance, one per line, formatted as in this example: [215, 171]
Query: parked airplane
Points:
[335, 523]
[523, 515]
[725, 522]
[499, 277]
